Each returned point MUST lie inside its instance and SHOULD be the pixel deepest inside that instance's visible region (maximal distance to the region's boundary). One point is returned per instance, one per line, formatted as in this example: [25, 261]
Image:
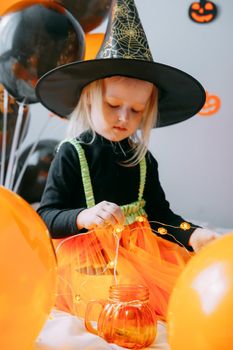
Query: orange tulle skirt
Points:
[88, 264]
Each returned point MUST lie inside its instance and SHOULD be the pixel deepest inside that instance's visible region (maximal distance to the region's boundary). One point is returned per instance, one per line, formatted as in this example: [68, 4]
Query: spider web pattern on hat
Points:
[127, 38]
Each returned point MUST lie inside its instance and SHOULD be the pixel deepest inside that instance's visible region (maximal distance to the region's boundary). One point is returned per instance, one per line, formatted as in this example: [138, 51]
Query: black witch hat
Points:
[124, 52]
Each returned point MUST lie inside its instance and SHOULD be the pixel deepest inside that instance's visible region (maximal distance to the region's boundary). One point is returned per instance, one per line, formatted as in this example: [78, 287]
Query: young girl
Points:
[103, 190]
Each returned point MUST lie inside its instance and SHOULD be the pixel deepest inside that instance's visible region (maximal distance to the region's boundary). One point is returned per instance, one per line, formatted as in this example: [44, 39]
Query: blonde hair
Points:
[80, 119]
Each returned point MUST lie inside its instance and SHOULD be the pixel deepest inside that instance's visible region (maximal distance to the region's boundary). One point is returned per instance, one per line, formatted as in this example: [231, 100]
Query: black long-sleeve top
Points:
[64, 197]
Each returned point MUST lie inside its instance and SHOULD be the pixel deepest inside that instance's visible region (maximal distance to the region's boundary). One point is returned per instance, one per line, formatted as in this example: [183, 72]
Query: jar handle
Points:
[88, 324]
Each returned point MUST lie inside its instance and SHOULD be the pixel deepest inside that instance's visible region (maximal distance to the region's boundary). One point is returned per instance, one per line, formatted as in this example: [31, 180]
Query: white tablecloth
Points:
[63, 331]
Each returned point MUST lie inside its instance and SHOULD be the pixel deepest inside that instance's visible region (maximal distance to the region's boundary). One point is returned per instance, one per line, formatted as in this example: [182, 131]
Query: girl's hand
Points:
[200, 237]
[103, 214]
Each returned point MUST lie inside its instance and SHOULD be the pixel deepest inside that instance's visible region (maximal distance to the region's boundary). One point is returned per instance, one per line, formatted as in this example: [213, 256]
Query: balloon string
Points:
[4, 135]
[17, 153]
[16, 187]
[14, 145]
[25, 127]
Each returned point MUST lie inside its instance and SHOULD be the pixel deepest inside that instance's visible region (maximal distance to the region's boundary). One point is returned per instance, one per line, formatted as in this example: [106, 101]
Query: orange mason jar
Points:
[126, 318]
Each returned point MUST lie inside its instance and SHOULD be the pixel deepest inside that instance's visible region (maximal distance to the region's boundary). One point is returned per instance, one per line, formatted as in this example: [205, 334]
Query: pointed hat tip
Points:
[125, 37]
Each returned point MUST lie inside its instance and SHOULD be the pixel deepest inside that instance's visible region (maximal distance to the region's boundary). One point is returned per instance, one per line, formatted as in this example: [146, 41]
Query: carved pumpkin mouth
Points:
[203, 12]
[201, 18]
[212, 105]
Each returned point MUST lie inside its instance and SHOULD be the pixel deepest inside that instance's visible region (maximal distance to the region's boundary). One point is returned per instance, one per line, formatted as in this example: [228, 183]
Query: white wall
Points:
[195, 157]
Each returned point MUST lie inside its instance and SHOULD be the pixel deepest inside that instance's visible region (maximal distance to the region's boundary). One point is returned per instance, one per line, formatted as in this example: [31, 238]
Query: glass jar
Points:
[126, 317]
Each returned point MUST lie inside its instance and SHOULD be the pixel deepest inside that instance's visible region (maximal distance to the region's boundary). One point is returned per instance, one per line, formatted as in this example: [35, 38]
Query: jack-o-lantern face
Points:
[203, 11]
[211, 106]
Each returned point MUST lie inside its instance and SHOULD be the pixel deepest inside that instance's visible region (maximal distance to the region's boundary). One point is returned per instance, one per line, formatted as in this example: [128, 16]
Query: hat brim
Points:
[180, 95]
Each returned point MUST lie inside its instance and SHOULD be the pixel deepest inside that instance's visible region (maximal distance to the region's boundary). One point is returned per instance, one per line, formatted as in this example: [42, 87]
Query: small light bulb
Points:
[140, 218]
[118, 229]
[162, 230]
[77, 298]
[185, 226]
[111, 264]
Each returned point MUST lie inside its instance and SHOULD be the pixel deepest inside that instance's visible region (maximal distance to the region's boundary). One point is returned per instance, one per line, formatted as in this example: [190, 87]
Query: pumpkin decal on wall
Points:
[211, 106]
[203, 11]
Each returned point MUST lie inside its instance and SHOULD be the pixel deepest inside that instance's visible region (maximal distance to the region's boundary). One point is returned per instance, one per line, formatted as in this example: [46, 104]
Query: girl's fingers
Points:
[201, 237]
[110, 212]
[99, 221]
[104, 213]
[116, 213]
[108, 217]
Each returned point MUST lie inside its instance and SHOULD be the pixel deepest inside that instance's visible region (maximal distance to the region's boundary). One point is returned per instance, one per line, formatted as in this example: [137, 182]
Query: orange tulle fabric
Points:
[87, 266]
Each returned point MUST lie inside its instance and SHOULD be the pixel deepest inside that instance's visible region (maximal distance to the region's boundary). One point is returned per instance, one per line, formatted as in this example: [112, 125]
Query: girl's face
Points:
[123, 103]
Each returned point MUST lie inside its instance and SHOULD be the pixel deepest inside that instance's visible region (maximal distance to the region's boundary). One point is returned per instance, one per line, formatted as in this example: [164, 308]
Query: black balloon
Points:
[89, 13]
[33, 40]
[12, 115]
[33, 182]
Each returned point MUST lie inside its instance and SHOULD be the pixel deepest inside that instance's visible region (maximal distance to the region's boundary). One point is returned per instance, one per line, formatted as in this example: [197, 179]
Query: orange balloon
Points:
[5, 5]
[27, 273]
[200, 313]
[93, 44]
[16, 5]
